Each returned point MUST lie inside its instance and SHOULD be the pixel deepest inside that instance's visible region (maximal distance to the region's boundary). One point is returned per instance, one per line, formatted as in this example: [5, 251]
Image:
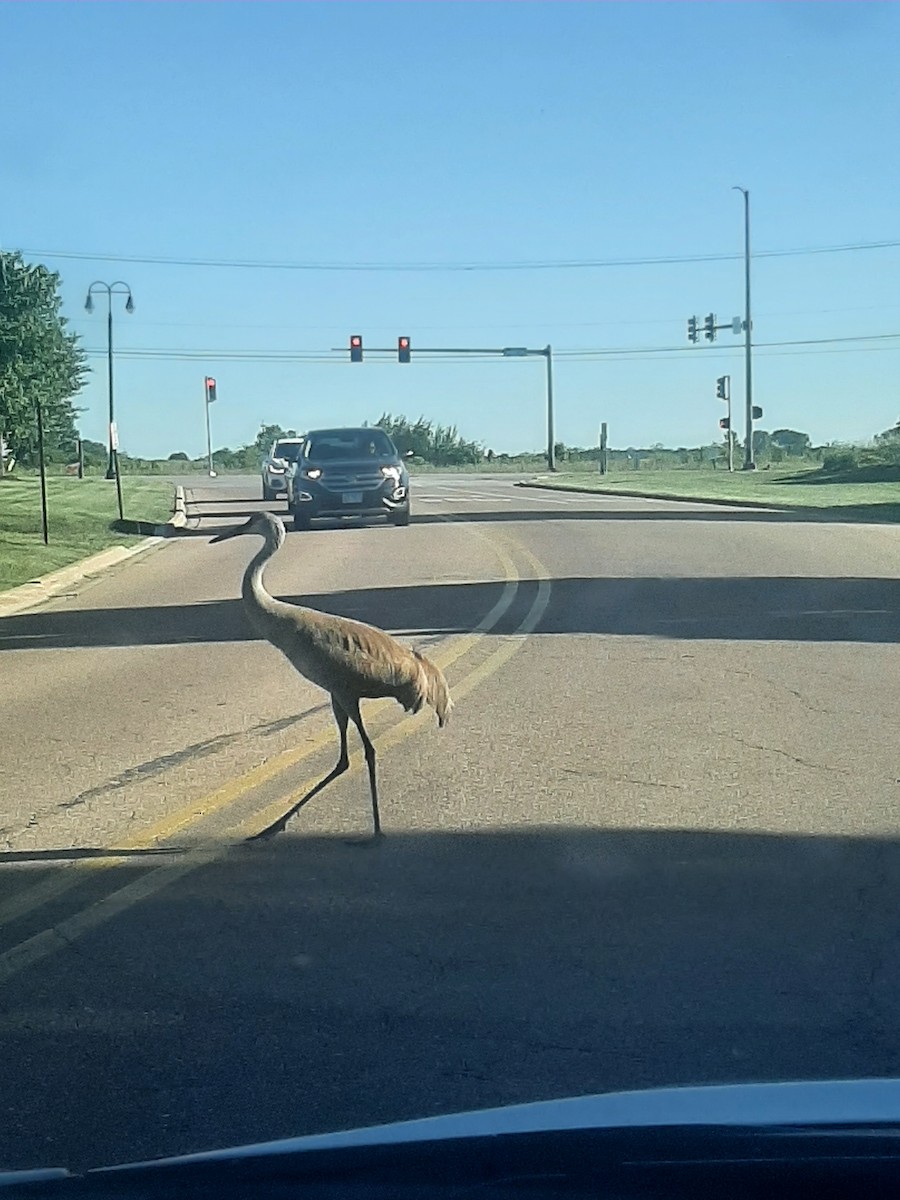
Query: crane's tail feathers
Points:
[436, 692]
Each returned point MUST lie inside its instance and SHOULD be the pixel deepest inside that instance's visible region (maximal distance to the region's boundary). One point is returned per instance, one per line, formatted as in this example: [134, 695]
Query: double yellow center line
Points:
[40, 945]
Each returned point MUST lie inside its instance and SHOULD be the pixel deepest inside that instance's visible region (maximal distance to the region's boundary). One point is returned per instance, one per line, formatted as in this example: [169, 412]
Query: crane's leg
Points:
[369, 749]
[343, 763]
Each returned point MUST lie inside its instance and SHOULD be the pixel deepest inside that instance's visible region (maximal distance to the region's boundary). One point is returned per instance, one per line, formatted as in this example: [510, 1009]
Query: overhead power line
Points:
[536, 265]
[583, 354]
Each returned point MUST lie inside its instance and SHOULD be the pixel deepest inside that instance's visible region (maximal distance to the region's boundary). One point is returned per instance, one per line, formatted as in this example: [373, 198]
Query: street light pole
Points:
[110, 288]
[111, 468]
[749, 464]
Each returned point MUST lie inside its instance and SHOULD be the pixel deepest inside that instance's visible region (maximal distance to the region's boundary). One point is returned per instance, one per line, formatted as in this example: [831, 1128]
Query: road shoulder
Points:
[37, 591]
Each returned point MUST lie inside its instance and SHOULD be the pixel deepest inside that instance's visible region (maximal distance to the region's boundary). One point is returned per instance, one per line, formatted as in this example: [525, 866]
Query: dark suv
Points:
[348, 473]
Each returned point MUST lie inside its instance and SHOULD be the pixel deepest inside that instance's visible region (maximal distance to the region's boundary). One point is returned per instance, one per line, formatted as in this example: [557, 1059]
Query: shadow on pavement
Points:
[886, 514]
[305, 985]
[767, 608]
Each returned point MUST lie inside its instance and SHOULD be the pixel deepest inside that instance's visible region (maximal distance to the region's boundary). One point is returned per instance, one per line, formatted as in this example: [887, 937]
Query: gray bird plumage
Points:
[348, 659]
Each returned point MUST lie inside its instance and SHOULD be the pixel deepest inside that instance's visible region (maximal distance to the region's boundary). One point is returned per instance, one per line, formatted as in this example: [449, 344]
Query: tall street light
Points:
[111, 289]
[749, 464]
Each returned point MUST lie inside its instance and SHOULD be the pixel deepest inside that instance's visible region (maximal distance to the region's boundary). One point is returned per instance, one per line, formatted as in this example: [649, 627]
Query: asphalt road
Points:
[657, 843]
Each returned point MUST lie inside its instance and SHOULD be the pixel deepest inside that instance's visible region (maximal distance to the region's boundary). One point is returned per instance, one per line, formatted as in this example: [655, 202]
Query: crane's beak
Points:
[223, 537]
[228, 533]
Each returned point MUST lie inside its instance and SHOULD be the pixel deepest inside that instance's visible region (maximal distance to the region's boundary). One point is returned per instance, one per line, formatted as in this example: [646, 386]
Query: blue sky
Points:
[462, 133]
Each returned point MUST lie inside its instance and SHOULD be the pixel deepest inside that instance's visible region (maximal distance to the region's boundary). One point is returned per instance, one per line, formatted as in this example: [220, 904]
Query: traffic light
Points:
[210, 389]
[722, 387]
[709, 327]
[724, 422]
[693, 335]
[757, 412]
[356, 347]
[403, 349]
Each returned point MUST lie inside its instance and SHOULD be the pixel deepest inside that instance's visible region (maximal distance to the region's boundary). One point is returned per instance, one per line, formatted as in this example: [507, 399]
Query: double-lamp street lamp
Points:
[111, 289]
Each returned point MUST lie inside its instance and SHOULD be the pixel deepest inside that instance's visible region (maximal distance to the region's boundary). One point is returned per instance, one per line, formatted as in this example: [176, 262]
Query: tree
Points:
[791, 441]
[889, 435]
[95, 453]
[762, 443]
[179, 456]
[269, 434]
[39, 359]
[437, 444]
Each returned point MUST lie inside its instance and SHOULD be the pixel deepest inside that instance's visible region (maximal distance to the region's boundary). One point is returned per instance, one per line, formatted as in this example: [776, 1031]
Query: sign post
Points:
[40, 433]
[114, 451]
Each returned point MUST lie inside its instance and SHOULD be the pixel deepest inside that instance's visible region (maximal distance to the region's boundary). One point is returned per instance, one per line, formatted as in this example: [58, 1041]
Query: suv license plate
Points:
[352, 497]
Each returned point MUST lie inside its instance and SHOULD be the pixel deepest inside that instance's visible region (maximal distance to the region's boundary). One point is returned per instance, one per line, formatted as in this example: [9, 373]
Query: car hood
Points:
[817, 1105]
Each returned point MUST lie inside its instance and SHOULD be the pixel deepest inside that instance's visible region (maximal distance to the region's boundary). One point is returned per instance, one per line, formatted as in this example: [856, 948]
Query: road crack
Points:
[829, 712]
[803, 762]
[657, 783]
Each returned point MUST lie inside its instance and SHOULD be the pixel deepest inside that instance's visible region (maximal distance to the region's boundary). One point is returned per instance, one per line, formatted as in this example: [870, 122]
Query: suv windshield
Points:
[288, 450]
[350, 443]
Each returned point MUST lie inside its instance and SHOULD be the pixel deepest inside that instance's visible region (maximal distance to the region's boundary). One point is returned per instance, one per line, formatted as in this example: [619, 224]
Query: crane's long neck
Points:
[259, 604]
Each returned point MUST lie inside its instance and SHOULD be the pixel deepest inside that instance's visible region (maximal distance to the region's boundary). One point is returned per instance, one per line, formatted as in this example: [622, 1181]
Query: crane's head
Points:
[266, 524]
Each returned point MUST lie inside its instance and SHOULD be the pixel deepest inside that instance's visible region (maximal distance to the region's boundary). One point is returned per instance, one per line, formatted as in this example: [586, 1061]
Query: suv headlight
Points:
[391, 473]
[312, 473]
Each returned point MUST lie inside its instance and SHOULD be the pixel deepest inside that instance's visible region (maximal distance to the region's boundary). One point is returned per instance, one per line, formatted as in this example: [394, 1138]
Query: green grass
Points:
[809, 488]
[81, 513]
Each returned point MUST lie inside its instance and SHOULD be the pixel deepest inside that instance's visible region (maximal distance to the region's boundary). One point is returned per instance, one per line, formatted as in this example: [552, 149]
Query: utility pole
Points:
[749, 464]
[551, 446]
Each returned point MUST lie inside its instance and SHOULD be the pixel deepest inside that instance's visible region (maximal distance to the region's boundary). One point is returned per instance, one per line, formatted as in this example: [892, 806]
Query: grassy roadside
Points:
[810, 489]
[81, 515]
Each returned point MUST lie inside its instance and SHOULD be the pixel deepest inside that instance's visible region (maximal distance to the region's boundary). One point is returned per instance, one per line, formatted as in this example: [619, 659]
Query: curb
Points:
[839, 514]
[29, 595]
[586, 491]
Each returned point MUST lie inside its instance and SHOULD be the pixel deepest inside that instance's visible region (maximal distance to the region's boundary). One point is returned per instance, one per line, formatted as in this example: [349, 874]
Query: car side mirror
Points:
[410, 454]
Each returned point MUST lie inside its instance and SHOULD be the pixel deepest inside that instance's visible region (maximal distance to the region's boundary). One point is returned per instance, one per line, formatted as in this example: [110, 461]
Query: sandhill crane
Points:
[350, 660]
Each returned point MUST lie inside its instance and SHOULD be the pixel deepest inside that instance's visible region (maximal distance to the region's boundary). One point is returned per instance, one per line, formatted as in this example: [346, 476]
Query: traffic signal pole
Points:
[403, 351]
[209, 394]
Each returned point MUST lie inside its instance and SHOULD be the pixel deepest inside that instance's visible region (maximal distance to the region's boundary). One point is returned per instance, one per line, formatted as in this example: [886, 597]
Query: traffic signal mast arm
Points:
[711, 327]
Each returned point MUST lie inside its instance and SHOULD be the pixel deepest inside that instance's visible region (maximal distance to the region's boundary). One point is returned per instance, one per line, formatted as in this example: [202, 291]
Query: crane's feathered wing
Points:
[354, 660]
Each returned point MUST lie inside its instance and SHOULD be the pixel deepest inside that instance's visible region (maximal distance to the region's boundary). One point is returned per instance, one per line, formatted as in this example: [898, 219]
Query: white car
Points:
[276, 465]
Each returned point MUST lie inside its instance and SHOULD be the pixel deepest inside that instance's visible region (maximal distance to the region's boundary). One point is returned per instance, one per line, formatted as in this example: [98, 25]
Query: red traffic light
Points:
[403, 349]
[356, 347]
[210, 389]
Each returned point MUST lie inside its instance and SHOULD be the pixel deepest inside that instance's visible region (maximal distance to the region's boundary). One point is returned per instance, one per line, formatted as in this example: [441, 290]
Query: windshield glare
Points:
[350, 443]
